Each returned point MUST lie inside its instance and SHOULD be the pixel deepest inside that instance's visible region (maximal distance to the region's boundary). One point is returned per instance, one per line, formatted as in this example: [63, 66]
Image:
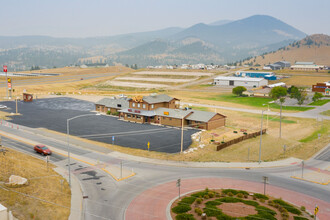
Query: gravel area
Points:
[173, 73]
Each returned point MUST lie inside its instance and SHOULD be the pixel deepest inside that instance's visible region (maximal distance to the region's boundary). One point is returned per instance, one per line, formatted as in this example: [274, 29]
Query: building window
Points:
[138, 117]
[144, 106]
[129, 116]
[108, 109]
[133, 104]
[139, 105]
[152, 106]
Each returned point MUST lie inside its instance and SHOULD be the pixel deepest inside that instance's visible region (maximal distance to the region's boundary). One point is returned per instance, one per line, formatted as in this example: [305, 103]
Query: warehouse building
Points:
[266, 75]
[240, 81]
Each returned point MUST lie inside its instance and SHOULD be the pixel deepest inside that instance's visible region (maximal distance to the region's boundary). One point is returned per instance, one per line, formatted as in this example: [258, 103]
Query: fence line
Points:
[237, 140]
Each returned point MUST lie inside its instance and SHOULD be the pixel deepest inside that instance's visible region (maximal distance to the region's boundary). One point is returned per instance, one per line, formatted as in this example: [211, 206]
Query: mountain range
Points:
[218, 42]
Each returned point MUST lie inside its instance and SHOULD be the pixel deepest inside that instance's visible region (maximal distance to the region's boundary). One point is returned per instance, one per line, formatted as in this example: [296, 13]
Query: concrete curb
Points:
[279, 163]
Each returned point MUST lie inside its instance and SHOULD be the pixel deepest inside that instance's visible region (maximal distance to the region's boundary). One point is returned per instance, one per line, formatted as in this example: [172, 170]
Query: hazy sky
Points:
[85, 18]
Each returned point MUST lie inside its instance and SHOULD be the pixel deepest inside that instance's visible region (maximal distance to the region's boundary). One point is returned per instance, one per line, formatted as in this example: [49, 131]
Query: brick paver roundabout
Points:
[152, 203]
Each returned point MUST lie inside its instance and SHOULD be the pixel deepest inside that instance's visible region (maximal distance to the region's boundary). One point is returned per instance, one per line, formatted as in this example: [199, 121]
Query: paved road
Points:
[58, 79]
[53, 114]
[314, 113]
[108, 199]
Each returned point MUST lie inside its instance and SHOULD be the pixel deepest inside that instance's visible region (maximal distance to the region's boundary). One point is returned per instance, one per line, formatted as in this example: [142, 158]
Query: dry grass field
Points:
[43, 198]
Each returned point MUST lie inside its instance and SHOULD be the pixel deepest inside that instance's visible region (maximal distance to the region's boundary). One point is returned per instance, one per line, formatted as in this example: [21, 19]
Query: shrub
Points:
[250, 202]
[239, 195]
[254, 197]
[234, 192]
[300, 218]
[181, 209]
[206, 197]
[230, 194]
[287, 206]
[213, 203]
[303, 208]
[211, 194]
[198, 211]
[108, 112]
[246, 196]
[184, 216]
[199, 201]
[261, 196]
[187, 200]
[262, 200]
[229, 199]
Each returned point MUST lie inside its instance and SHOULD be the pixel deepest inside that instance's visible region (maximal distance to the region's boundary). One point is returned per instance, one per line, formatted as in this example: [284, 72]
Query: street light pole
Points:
[262, 116]
[181, 134]
[68, 140]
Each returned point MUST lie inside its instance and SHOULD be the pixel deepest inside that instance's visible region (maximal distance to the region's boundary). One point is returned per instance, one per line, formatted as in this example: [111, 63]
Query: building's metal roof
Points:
[172, 113]
[157, 98]
[284, 62]
[201, 116]
[304, 63]
[138, 112]
[247, 79]
[120, 103]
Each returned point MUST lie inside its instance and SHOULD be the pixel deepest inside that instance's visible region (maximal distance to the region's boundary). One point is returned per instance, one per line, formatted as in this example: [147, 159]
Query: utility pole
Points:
[181, 134]
[281, 120]
[302, 169]
[265, 178]
[178, 184]
[16, 106]
[262, 116]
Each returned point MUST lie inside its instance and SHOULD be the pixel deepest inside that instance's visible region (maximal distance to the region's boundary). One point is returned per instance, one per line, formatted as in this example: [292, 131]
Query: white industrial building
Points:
[240, 81]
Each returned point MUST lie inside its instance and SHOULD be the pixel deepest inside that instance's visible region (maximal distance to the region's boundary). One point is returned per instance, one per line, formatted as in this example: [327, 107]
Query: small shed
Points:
[27, 97]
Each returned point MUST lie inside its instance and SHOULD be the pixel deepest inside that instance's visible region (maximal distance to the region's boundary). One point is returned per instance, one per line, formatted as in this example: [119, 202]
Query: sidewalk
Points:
[77, 203]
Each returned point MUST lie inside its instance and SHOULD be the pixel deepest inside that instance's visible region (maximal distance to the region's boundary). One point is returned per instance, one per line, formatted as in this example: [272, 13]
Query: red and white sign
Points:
[9, 86]
[5, 68]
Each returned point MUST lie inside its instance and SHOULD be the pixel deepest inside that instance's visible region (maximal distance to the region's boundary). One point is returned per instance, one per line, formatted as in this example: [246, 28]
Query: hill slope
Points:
[314, 48]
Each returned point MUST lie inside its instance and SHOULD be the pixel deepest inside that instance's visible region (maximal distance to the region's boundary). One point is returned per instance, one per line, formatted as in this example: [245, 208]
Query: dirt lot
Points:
[173, 73]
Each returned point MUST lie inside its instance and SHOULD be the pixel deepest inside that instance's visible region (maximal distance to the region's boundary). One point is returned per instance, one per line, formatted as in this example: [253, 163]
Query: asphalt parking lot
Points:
[53, 113]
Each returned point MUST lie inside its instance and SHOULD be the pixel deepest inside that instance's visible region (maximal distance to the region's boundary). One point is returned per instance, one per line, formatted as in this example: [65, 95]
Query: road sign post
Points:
[5, 70]
[47, 159]
[265, 178]
[178, 184]
[316, 210]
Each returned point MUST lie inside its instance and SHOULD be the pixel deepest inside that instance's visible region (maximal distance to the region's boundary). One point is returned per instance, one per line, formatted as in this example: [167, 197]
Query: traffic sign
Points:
[113, 138]
[9, 86]
[5, 68]
[148, 145]
[316, 210]
[9, 80]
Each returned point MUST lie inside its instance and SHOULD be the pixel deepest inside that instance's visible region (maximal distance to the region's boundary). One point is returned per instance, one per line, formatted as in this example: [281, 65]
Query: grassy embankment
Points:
[43, 198]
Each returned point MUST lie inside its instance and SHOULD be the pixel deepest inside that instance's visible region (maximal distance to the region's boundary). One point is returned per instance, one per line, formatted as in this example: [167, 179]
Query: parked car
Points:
[3, 106]
[42, 149]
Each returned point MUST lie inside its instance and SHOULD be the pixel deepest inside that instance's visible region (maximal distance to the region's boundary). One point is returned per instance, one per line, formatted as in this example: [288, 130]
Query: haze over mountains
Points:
[219, 42]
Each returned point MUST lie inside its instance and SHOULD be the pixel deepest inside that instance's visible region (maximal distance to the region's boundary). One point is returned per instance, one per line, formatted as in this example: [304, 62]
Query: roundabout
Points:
[155, 202]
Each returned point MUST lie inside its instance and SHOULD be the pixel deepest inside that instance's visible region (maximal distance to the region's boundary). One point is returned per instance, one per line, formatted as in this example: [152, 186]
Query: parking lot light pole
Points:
[68, 140]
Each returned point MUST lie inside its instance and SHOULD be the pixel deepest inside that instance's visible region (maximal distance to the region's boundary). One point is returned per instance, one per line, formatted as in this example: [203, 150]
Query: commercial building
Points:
[283, 64]
[240, 81]
[322, 88]
[111, 105]
[266, 75]
[160, 109]
[307, 66]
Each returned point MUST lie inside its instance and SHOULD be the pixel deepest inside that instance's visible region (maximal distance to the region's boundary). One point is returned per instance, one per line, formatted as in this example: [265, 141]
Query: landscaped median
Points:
[234, 204]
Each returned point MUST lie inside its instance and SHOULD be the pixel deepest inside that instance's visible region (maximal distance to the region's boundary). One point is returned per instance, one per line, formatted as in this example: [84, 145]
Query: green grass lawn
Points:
[320, 102]
[253, 101]
[323, 131]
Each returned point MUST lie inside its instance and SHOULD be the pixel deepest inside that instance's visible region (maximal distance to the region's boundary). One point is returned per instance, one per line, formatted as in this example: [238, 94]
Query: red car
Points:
[42, 149]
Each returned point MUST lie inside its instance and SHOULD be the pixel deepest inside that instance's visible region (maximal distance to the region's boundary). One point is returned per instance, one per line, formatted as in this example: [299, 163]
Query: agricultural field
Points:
[43, 198]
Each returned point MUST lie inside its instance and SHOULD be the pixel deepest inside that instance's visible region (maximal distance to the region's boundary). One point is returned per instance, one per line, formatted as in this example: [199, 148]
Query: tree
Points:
[238, 90]
[317, 96]
[278, 92]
